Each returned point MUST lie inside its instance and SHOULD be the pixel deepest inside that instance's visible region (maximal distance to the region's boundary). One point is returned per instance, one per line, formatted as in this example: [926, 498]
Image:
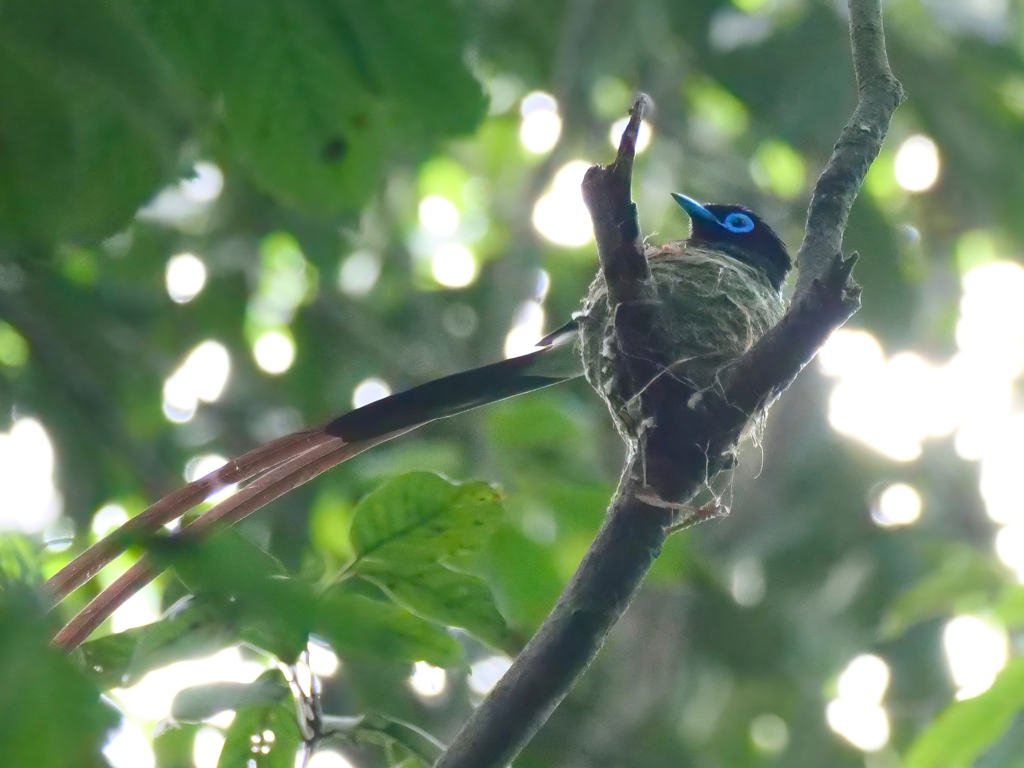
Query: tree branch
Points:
[688, 438]
[879, 94]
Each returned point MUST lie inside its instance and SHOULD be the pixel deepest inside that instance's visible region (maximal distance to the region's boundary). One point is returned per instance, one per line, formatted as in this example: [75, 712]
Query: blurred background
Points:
[218, 225]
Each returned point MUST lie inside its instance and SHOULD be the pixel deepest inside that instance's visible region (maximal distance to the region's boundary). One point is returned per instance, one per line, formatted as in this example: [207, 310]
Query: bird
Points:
[720, 289]
[717, 292]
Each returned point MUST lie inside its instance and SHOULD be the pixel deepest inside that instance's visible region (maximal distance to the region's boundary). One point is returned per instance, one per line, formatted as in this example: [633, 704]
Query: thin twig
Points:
[879, 94]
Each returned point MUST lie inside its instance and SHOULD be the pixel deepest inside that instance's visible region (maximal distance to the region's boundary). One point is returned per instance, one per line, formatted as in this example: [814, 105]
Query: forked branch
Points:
[634, 530]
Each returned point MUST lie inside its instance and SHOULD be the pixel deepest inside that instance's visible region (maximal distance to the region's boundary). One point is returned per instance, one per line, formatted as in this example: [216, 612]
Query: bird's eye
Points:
[738, 222]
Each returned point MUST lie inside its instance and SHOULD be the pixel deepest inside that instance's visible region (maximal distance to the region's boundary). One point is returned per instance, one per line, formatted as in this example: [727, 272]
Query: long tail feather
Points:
[289, 461]
[260, 492]
[174, 505]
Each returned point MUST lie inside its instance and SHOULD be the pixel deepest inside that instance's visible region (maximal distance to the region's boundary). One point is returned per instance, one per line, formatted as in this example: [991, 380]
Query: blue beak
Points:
[695, 210]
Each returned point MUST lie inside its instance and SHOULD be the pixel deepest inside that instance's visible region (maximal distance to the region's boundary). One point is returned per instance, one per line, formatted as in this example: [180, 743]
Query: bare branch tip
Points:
[593, 182]
[642, 106]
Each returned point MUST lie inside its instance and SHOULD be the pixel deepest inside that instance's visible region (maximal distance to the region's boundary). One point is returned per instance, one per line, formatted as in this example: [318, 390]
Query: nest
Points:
[710, 309]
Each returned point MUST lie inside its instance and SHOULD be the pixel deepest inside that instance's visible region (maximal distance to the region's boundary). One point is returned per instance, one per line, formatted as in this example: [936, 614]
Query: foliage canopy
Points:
[328, 124]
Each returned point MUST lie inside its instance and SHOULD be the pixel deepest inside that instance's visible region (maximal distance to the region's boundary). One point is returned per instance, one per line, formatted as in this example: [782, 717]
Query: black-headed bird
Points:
[716, 293]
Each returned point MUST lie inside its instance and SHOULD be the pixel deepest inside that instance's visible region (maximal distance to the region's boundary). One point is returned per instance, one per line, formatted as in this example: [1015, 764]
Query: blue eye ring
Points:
[738, 222]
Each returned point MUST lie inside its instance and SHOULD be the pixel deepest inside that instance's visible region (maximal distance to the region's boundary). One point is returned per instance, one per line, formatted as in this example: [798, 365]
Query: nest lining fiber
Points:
[709, 310]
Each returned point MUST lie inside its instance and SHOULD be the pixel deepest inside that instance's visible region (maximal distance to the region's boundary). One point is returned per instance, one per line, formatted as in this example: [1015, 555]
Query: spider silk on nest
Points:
[709, 310]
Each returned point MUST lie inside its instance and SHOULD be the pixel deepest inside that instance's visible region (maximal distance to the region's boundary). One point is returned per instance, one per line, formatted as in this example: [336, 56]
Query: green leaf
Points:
[263, 736]
[120, 660]
[240, 585]
[421, 518]
[1009, 609]
[198, 702]
[357, 625]
[538, 424]
[316, 94]
[244, 586]
[176, 746]
[965, 580]
[51, 713]
[414, 747]
[431, 92]
[19, 561]
[405, 531]
[963, 731]
[525, 574]
[451, 598]
[89, 129]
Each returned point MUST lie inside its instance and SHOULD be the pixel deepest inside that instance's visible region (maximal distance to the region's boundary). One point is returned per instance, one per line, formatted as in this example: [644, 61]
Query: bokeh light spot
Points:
[485, 673]
[107, 518]
[747, 582]
[453, 265]
[848, 351]
[717, 116]
[643, 136]
[917, 164]
[210, 364]
[856, 714]
[323, 662]
[864, 679]
[274, 351]
[991, 324]
[150, 699]
[128, 747]
[865, 726]
[206, 747]
[769, 732]
[438, 215]
[201, 378]
[324, 758]
[286, 280]
[976, 651]
[185, 277]
[359, 273]
[369, 391]
[205, 185]
[201, 466]
[30, 499]
[427, 681]
[893, 406]
[560, 216]
[898, 504]
[460, 320]
[527, 329]
[541, 125]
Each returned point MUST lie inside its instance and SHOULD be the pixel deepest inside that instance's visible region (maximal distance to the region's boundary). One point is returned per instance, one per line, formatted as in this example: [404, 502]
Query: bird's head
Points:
[740, 233]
